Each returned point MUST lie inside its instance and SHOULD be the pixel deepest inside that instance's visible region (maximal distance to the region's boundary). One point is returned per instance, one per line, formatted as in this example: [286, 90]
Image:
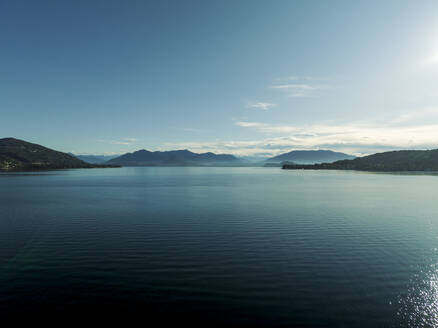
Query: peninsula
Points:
[392, 161]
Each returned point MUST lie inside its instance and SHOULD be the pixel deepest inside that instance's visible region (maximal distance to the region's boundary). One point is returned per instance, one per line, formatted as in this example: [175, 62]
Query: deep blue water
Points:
[221, 246]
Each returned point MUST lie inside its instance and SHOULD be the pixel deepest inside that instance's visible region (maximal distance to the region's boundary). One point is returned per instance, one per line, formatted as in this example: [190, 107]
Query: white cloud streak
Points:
[429, 114]
[300, 87]
[357, 138]
[303, 90]
[302, 78]
[192, 130]
[250, 124]
[124, 141]
[261, 105]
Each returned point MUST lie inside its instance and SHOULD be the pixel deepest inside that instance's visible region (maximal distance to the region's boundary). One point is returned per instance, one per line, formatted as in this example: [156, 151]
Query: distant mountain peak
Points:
[95, 159]
[141, 151]
[182, 157]
[310, 156]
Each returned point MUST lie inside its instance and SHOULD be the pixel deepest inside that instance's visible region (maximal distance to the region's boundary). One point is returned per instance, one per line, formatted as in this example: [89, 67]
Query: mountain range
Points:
[17, 154]
[188, 158]
[393, 161]
[174, 158]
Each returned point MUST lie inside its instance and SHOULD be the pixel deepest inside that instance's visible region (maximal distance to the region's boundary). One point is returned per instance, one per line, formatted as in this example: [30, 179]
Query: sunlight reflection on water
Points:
[420, 307]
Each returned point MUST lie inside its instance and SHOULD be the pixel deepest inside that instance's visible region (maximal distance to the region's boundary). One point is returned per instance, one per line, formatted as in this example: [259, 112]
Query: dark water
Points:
[221, 246]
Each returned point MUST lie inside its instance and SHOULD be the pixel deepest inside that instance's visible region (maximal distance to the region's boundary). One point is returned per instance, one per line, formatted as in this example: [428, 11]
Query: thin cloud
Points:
[428, 62]
[302, 78]
[302, 95]
[192, 130]
[250, 124]
[427, 114]
[124, 141]
[355, 135]
[289, 86]
[302, 90]
[261, 105]
[356, 141]
[356, 138]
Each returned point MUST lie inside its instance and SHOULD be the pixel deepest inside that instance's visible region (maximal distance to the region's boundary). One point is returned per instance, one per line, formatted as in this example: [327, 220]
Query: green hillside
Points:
[17, 154]
[403, 160]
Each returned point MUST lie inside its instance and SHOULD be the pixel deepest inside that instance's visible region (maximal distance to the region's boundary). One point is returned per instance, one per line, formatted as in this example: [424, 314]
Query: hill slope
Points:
[173, 158]
[393, 161]
[17, 154]
[309, 157]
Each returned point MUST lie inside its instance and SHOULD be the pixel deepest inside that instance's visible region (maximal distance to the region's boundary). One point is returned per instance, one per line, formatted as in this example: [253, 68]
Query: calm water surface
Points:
[237, 246]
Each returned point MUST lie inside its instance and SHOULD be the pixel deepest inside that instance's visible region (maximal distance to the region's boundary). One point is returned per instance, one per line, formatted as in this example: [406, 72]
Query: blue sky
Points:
[242, 77]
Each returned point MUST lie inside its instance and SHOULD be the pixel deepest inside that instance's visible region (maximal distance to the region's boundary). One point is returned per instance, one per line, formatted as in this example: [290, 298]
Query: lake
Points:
[221, 246]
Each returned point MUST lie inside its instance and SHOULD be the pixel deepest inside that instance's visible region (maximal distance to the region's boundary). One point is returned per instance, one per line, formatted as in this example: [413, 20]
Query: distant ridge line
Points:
[392, 161]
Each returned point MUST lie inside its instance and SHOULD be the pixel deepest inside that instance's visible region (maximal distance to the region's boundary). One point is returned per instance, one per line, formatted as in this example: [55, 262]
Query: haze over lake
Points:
[239, 246]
